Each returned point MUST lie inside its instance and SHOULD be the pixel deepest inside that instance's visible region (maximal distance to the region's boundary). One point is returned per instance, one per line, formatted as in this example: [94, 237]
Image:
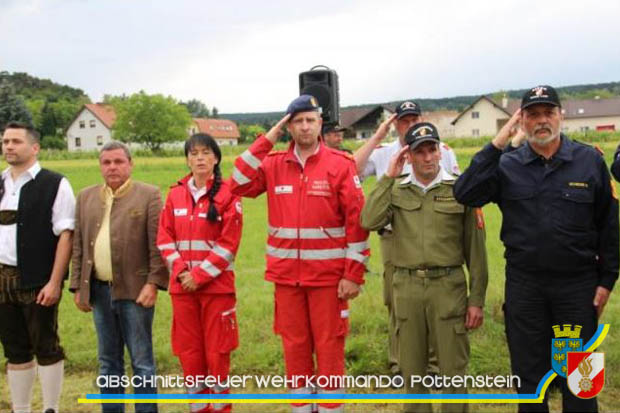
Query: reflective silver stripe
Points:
[344, 313]
[170, 258]
[358, 246]
[211, 269]
[327, 254]
[355, 250]
[323, 254]
[219, 389]
[338, 409]
[194, 245]
[224, 253]
[196, 407]
[240, 178]
[281, 252]
[196, 389]
[250, 159]
[306, 408]
[307, 233]
[356, 256]
[301, 390]
[196, 263]
[227, 312]
[170, 246]
[219, 406]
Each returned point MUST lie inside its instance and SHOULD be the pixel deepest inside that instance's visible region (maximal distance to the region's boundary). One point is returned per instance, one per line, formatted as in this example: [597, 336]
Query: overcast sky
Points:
[245, 56]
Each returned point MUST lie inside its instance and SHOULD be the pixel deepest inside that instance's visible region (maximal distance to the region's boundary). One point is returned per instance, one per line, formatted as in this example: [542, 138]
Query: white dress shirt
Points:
[63, 210]
[379, 160]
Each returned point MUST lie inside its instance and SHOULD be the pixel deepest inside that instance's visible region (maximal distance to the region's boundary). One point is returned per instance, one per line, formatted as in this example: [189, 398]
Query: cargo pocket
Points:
[453, 303]
[229, 333]
[343, 324]
[400, 297]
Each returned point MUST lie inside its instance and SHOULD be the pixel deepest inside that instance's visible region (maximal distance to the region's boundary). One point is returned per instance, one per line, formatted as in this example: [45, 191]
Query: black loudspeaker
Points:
[322, 83]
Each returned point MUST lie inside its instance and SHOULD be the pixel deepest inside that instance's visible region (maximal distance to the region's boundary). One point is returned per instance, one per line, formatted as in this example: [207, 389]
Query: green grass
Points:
[260, 350]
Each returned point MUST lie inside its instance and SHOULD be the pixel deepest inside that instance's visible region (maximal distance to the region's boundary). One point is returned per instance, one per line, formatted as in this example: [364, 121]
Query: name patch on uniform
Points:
[578, 184]
[284, 189]
[180, 212]
[439, 198]
[320, 188]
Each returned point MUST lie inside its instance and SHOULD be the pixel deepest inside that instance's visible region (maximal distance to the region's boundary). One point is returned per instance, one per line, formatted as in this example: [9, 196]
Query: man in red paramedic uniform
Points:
[316, 249]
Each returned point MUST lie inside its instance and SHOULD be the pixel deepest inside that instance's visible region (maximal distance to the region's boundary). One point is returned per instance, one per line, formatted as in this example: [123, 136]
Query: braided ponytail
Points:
[212, 214]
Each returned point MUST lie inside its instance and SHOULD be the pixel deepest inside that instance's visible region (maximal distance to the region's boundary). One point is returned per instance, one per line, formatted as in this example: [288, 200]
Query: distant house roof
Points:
[589, 108]
[571, 108]
[218, 128]
[105, 113]
[349, 117]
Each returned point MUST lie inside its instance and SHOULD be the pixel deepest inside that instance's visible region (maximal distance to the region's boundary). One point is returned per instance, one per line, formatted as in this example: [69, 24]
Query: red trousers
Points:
[204, 332]
[311, 320]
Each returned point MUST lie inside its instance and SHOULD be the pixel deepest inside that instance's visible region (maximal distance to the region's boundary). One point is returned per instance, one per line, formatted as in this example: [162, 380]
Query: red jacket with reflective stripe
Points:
[188, 241]
[315, 237]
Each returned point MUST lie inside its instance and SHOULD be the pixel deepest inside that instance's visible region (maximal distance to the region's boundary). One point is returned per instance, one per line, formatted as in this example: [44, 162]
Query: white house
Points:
[90, 129]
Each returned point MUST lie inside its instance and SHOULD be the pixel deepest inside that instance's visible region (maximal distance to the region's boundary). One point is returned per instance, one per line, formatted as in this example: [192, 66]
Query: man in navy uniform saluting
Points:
[560, 230]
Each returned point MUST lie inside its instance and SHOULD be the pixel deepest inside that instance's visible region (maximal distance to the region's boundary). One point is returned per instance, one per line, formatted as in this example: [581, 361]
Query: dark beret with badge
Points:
[540, 94]
[333, 128]
[420, 133]
[408, 107]
[303, 103]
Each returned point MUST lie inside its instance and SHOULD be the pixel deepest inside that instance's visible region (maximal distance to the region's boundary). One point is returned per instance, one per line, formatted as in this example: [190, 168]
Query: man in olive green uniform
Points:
[433, 236]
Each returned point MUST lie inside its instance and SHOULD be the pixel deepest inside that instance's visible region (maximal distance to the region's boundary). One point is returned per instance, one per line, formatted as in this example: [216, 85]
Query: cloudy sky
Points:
[245, 56]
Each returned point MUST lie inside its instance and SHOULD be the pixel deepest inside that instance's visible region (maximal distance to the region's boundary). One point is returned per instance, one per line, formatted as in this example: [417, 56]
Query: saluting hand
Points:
[507, 131]
[397, 162]
[474, 317]
[276, 131]
[383, 129]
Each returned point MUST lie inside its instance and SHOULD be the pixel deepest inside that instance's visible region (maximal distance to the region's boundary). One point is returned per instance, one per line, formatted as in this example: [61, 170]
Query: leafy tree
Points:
[196, 108]
[249, 132]
[35, 107]
[151, 120]
[12, 107]
[56, 116]
[215, 113]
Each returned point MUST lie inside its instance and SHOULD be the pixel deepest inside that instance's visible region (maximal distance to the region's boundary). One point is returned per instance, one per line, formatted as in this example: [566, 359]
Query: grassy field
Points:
[259, 351]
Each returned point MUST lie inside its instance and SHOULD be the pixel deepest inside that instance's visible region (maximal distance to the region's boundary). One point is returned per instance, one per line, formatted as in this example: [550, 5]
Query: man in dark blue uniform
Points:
[615, 166]
[560, 230]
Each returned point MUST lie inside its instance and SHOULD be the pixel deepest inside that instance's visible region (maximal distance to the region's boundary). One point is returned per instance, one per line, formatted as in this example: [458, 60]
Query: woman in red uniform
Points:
[199, 233]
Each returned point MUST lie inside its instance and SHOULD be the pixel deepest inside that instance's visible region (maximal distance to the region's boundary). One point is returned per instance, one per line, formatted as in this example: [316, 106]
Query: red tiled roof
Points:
[218, 128]
[105, 113]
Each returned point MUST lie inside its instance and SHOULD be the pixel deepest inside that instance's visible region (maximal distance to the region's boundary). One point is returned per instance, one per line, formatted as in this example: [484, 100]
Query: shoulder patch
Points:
[479, 218]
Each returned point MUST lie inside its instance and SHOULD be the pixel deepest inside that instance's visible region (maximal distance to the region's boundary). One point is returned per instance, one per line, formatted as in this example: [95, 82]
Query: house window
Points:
[475, 132]
[99, 140]
[82, 124]
[92, 123]
[475, 115]
[580, 111]
[78, 142]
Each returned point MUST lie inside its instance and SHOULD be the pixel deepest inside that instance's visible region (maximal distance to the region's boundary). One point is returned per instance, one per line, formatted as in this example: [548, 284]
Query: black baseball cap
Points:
[333, 128]
[540, 94]
[407, 107]
[421, 132]
[303, 103]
